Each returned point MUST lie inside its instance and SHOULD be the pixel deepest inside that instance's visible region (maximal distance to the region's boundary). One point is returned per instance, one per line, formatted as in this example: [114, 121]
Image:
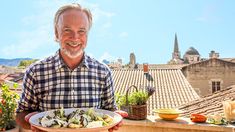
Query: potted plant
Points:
[135, 103]
[8, 106]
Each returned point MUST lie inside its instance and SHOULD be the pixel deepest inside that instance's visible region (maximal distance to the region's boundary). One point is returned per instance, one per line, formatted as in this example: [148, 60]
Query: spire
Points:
[176, 47]
[176, 52]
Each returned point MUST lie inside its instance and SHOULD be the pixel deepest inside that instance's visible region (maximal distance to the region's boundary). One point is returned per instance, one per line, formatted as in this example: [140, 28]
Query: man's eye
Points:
[82, 32]
[67, 30]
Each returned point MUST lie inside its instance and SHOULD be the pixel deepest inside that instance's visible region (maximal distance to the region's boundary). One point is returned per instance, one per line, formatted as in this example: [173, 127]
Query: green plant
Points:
[7, 107]
[135, 98]
[138, 98]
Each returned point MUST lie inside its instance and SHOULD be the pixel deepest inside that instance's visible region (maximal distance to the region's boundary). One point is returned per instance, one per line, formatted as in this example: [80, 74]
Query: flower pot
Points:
[135, 112]
[16, 129]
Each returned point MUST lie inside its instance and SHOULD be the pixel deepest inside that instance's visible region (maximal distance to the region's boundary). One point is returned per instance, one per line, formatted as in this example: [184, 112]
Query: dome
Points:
[192, 51]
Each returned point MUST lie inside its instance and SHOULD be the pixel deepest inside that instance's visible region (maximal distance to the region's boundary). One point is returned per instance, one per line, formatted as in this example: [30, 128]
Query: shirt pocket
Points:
[51, 98]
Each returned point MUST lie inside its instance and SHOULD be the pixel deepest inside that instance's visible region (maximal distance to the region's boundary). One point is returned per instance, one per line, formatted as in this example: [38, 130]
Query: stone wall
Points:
[201, 75]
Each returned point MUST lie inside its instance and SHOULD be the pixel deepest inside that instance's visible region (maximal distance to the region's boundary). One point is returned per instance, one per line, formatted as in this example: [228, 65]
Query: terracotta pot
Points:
[16, 129]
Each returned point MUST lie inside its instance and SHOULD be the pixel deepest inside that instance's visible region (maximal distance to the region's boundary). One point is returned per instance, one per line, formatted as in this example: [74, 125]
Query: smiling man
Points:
[70, 78]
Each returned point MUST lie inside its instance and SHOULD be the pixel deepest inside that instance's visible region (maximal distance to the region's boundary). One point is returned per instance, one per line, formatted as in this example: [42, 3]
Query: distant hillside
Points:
[12, 62]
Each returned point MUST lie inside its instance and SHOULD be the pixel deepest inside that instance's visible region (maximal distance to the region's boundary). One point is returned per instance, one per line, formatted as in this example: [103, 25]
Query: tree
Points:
[26, 63]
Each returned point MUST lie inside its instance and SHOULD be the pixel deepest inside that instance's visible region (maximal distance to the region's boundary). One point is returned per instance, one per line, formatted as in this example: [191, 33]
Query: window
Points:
[215, 86]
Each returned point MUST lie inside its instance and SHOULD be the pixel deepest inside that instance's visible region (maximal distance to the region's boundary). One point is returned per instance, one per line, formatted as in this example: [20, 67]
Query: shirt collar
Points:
[59, 62]
[85, 60]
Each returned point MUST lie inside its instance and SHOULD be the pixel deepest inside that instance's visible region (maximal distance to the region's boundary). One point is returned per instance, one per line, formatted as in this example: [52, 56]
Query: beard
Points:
[72, 53]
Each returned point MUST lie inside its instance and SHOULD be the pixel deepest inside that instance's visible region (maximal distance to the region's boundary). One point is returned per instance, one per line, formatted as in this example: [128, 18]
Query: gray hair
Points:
[73, 6]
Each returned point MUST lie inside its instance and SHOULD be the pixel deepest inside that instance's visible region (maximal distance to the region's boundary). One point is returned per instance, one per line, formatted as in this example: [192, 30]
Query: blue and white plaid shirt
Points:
[50, 84]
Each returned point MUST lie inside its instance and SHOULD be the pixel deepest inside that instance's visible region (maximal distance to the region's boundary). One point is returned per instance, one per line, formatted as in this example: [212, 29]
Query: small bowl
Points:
[168, 114]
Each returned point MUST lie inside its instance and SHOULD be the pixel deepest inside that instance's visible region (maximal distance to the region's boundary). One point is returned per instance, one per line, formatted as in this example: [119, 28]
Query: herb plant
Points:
[7, 107]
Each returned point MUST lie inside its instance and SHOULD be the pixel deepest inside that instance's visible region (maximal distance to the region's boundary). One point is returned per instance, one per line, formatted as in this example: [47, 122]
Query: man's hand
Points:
[123, 114]
[27, 117]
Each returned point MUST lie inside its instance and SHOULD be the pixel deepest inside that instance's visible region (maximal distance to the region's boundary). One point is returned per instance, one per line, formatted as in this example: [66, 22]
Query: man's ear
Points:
[56, 35]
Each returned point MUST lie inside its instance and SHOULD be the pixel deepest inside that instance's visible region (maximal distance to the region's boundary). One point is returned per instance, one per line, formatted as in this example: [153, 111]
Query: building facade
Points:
[211, 75]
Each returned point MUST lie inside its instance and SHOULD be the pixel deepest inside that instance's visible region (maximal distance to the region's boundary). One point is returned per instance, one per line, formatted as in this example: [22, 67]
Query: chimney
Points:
[213, 54]
[146, 67]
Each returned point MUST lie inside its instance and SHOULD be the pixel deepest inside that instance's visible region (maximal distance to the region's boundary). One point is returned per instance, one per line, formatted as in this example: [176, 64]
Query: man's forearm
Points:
[20, 119]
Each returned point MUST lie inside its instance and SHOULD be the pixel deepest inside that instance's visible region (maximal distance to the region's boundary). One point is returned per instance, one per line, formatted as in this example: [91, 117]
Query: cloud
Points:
[107, 25]
[99, 13]
[208, 14]
[102, 20]
[108, 57]
[123, 34]
[29, 43]
[37, 38]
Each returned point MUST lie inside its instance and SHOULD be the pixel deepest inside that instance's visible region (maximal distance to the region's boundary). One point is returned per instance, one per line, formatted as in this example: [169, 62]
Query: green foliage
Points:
[120, 100]
[26, 63]
[7, 107]
[138, 98]
[135, 98]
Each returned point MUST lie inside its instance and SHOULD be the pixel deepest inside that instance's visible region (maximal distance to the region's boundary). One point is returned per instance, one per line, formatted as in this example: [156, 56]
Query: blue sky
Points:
[145, 27]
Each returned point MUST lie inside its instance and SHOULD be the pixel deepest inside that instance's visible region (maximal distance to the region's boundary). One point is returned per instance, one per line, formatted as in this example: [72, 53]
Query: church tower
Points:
[132, 59]
[132, 62]
[176, 52]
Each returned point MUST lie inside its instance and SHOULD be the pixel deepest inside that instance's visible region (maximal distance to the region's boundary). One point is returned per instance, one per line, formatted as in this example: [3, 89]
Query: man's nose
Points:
[76, 36]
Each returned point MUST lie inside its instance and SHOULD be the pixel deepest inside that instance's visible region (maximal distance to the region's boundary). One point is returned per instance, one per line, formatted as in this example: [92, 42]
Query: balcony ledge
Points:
[153, 123]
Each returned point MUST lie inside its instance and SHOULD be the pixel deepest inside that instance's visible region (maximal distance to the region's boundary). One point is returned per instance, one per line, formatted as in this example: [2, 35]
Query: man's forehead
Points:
[74, 15]
[73, 12]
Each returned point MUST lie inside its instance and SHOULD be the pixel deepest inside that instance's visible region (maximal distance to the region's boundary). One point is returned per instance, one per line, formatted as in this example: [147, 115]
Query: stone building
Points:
[191, 56]
[132, 62]
[132, 59]
[211, 75]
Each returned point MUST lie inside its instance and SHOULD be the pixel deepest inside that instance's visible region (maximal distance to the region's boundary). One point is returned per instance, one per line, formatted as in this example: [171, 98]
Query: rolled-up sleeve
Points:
[28, 100]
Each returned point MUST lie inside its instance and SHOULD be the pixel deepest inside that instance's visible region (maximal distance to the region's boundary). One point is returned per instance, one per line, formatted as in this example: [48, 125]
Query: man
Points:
[70, 78]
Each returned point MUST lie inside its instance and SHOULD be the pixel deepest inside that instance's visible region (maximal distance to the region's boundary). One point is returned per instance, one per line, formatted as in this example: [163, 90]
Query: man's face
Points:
[71, 32]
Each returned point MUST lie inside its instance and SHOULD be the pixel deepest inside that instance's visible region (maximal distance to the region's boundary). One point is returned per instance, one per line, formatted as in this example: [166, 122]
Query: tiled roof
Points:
[14, 77]
[163, 66]
[209, 104]
[9, 70]
[172, 88]
[229, 59]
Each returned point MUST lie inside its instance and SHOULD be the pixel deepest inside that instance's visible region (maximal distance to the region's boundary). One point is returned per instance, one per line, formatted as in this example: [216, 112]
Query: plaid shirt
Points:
[50, 84]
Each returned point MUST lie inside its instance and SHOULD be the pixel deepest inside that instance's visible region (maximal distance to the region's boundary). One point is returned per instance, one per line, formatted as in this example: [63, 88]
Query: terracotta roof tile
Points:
[172, 88]
[209, 104]
[163, 66]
